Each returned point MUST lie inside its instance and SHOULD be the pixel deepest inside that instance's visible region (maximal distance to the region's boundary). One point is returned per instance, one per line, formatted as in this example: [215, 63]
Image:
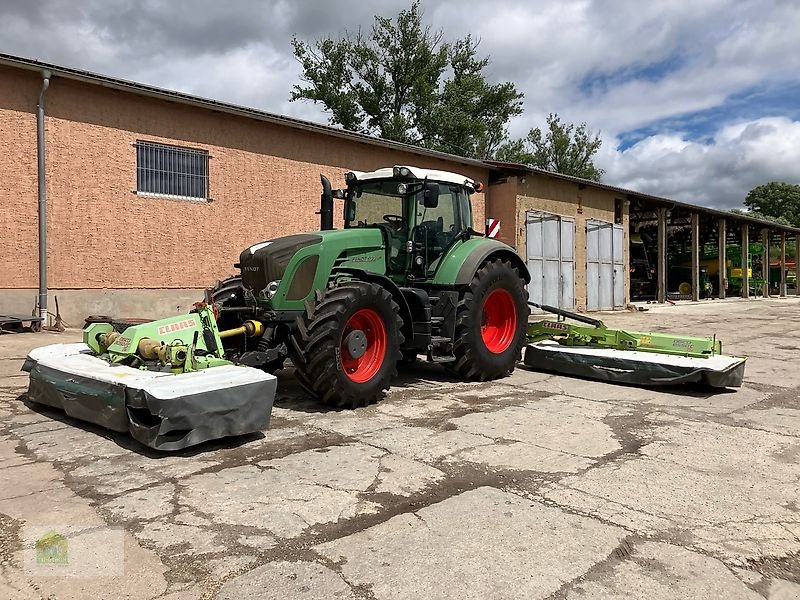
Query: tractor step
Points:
[440, 359]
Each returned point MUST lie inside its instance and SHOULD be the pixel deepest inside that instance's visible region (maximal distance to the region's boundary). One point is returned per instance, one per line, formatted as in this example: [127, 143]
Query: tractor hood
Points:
[279, 259]
[267, 261]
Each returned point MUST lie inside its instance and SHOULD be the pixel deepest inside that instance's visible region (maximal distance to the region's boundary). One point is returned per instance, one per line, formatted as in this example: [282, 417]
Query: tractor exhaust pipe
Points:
[325, 205]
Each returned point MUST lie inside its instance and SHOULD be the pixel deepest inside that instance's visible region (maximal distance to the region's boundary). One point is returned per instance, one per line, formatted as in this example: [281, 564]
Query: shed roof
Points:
[520, 169]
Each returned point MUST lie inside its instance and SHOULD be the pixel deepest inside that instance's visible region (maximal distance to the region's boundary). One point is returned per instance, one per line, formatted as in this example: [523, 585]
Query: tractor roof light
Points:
[401, 172]
[349, 177]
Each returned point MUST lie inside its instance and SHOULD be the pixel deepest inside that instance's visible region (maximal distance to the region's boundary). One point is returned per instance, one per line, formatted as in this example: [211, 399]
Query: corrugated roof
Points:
[658, 200]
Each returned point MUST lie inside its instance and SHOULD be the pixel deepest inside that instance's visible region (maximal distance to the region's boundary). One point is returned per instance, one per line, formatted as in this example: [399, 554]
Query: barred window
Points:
[166, 170]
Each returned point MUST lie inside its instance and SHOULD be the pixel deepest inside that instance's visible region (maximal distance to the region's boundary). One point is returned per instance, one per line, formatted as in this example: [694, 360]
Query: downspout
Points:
[42, 199]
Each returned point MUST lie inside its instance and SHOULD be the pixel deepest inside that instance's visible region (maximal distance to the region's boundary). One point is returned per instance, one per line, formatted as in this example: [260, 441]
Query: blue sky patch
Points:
[776, 99]
[600, 83]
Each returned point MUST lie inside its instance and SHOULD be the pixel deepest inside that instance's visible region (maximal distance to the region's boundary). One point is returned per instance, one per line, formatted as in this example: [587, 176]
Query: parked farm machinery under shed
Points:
[407, 276]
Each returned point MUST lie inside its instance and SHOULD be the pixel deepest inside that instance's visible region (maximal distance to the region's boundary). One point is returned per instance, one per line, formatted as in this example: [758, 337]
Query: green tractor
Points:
[408, 275]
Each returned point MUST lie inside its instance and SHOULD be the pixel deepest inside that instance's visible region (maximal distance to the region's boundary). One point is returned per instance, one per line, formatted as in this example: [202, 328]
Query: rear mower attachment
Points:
[595, 351]
[165, 382]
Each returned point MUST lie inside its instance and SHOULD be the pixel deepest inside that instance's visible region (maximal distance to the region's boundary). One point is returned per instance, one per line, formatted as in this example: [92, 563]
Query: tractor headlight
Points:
[401, 172]
[272, 288]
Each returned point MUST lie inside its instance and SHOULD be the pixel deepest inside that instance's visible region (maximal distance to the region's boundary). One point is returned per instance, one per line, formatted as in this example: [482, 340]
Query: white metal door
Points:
[567, 263]
[605, 258]
[550, 241]
[618, 256]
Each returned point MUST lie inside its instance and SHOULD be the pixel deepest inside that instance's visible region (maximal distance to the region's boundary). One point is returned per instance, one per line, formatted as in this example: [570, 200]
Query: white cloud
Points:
[718, 173]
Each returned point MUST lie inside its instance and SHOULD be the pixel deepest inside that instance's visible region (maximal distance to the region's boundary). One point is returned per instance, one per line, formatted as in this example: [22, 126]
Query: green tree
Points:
[402, 81]
[564, 148]
[775, 200]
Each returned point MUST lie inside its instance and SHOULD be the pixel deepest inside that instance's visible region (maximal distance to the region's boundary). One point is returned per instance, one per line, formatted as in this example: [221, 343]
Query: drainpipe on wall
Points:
[42, 199]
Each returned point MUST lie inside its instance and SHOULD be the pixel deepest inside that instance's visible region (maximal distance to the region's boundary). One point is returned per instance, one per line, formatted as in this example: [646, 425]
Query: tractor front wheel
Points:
[346, 344]
[490, 323]
[229, 292]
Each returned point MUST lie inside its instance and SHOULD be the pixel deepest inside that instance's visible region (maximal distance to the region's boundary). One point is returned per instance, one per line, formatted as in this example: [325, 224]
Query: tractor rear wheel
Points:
[491, 320]
[346, 344]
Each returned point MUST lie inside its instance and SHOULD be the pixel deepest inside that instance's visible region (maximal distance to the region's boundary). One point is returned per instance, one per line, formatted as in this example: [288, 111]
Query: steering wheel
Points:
[395, 221]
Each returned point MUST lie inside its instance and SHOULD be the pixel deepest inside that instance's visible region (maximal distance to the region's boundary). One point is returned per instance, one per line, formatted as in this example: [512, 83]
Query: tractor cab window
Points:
[437, 226]
[375, 203]
[382, 204]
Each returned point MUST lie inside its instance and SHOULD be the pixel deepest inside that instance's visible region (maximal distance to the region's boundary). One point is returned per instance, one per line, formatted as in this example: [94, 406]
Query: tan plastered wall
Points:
[501, 204]
[536, 192]
[18, 196]
[264, 182]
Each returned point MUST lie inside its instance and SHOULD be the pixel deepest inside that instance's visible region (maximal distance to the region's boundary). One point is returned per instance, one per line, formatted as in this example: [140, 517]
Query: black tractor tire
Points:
[319, 351]
[229, 292]
[475, 360]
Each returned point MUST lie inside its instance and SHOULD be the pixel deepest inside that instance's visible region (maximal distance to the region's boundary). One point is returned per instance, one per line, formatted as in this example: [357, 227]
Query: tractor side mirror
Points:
[430, 195]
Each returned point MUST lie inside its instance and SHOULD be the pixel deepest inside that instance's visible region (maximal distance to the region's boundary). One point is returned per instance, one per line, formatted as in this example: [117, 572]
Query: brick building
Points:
[572, 232]
[115, 247]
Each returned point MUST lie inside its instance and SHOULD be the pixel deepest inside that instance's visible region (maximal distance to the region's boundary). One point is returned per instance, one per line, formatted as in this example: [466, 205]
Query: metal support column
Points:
[722, 232]
[745, 260]
[796, 263]
[661, 243]
[765, 261]
[783, 264]
[695, 257]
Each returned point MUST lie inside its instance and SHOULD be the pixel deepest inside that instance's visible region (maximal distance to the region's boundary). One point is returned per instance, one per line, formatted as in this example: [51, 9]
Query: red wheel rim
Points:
[499, 323]
[364, 368]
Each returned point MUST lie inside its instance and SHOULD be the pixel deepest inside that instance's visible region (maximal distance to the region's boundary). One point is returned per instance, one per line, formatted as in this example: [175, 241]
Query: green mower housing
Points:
[408, 275]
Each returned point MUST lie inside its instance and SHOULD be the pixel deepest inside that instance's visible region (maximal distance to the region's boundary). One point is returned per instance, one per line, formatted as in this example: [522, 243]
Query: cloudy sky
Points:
[697, 100]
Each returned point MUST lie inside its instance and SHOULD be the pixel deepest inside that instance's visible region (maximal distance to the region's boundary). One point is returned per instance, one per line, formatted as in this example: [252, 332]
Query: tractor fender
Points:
[390, 286]
[485, 251]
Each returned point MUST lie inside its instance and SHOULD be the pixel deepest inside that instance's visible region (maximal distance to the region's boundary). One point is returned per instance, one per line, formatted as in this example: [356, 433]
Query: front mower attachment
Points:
[167, 389]
[647, 359]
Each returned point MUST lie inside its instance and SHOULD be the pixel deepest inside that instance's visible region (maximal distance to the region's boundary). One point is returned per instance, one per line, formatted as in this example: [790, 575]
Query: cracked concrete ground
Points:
[534, 486]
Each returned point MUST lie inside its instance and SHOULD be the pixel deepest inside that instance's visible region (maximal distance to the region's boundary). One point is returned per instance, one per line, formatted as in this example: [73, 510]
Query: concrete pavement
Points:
[534, 486]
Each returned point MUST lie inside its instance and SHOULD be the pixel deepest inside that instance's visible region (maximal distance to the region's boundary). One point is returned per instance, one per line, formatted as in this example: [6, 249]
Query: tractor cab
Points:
[422, 213]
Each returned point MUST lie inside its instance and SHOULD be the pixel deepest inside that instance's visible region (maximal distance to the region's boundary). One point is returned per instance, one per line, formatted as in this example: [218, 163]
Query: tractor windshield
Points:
[383, 204]
[377, 203]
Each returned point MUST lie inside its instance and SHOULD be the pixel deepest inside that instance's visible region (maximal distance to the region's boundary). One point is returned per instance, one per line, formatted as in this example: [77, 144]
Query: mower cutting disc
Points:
[162, 410]
[635, 367]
